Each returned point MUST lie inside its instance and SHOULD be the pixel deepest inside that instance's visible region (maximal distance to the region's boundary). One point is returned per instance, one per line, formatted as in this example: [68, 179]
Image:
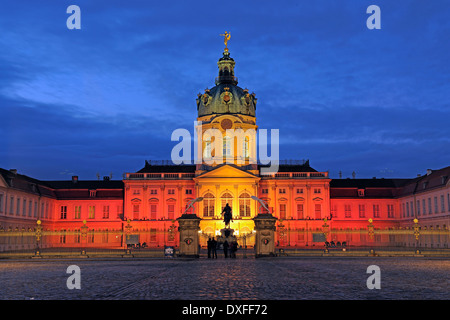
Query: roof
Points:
[168, 167]
[25, 183]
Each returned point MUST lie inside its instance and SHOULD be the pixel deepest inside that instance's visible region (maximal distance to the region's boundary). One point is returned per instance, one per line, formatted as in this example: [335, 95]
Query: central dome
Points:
[226, 97]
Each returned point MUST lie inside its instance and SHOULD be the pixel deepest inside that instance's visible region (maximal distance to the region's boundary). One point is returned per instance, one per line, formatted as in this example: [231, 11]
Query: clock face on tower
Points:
[226, 124]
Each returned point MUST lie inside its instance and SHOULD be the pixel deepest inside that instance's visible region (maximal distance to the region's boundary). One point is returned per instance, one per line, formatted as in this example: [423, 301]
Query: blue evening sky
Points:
[107, 97]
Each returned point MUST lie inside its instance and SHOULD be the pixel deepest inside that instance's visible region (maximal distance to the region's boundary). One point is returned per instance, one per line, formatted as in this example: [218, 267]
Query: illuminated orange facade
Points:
[151, 199]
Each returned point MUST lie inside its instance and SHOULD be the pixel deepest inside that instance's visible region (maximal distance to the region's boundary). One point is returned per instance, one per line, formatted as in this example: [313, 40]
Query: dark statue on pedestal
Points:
[227, 216]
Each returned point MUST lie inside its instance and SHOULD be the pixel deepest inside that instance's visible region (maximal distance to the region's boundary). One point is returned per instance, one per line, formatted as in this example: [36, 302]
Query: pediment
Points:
[226, 171]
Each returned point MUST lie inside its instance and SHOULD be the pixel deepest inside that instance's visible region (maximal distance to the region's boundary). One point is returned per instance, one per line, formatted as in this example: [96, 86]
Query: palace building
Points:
[150, 200]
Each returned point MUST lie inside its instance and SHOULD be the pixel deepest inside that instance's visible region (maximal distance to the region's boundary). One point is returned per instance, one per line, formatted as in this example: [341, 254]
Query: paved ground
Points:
[270, 279]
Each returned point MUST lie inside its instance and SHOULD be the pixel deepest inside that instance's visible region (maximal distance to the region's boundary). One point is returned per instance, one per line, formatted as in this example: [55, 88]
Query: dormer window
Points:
[361, 192]
[92, 193]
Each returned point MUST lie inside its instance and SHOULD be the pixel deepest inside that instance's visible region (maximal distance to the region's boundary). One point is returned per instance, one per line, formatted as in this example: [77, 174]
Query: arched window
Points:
[227, 198]
[208, 205]
[244, 205]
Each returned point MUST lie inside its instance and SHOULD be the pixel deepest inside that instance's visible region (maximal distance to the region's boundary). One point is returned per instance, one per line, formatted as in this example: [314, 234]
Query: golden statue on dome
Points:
[227, 37]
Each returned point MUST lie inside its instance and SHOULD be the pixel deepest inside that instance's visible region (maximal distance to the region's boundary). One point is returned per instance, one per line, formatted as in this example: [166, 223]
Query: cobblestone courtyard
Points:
[269, 279]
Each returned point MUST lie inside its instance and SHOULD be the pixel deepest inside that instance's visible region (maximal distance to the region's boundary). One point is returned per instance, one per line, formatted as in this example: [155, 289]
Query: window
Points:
[376, 210]
[246, 148]
[244, 205]
[153, 210]
[153, 191]
[30, 208]
[282, 211]
[11, 205]
[77, 212]
[300, 190]
[299, 210]
[418, 208]
[24, 208]
[119, 212]
[135, 212]
[227, 198]
[136, 191]
[1, 202]
[390, 210]
[333, 211]
[429, 206]
[207, 150]
[35, 209]
[226, 147]
[63, 212]
[318, 211]
[91, 213]
[62, 236]
[348, 211]
[105, 212]
[264, 191]
[424, 207]
[448, 201]
[362, 211]
[282, 191]
[317, 190]
[188, 191]
[361, 192]
[435, 205]
[171, 191]
[171, 211]
[407, 209]
[208, 205]
[18, 207]
[92, 193]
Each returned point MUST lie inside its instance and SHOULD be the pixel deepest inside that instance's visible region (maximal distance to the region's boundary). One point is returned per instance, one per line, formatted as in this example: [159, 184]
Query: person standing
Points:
[209, 243]
[214, 248]
[225, 248]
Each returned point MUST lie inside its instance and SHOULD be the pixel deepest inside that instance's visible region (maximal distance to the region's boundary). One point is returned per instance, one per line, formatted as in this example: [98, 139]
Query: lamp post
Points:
[416, 234]
[38, 234]
[371, 233]
[83, 228]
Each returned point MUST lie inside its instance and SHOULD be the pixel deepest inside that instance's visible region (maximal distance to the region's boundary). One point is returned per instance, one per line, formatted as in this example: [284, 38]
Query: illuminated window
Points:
[105, 212]
[390, 210]
[318, 211]
[63, 212]
[282, 211]
[376, 210]
[299, 210]
[170, 211]
[362, 211]
[246, 152]
[153, 210]
[135, 212]
[207, 150]
[91, 212]
[77, 212]
[348, 211]
[244, 205]
[208, 205]
[227, 198]
[226, 147]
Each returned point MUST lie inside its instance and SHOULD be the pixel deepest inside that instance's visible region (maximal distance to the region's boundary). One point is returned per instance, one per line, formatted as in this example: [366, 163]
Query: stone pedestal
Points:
[189, 225]
[265, 235]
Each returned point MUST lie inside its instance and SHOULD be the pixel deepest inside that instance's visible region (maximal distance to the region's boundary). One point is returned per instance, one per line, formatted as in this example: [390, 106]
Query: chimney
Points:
[74, 179]
[13, 171]
[429, 172]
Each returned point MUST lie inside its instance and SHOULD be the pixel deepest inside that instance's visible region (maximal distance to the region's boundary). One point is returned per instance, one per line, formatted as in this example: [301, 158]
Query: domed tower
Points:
[226, 119]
